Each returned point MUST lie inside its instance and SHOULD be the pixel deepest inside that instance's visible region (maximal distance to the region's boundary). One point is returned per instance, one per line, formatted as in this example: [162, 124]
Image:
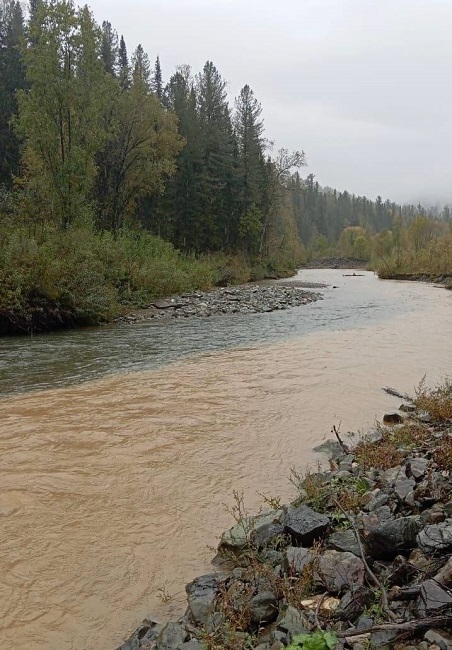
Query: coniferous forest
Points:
[118, 184]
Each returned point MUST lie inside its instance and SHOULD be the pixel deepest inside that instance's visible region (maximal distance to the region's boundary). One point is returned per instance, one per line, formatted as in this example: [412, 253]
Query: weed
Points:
[437, 402]
[316, 641]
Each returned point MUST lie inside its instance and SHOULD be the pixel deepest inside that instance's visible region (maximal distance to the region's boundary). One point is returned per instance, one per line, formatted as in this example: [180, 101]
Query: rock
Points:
[375, 499]
[353, 603]
[442, 638]
[263, 607]
[417, 466]
[201, 596]
[345, 540]
[432, 597]
[147, 631]
[383, 639]
[389, 539]
[444, 575]
[338, 571]
[403, 487]
[436, 538]
[390, 476]
[171, 637]
[326, 606]
[392, 418]
[260, 527]
[296, 559]
[407, 408]
[419, 561]
[194, 644]
[292, 621]
[305, 525]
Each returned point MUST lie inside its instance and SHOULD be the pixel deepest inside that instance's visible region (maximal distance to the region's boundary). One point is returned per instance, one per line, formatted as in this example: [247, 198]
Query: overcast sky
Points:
[364, 87]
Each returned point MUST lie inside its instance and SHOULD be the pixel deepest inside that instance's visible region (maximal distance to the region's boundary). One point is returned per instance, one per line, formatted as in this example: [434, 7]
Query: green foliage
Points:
[316, 641]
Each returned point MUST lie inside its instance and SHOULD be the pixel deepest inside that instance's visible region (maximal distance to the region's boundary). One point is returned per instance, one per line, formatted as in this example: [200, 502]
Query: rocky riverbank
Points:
[361, 559]
[336, 263]
[444, 279]
[244, 299]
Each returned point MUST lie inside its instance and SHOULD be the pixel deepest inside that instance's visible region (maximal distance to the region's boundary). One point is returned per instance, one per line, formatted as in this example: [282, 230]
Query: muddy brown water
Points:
[120, 448]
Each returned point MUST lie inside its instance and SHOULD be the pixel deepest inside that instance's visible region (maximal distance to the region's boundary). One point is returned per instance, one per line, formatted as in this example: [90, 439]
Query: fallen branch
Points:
[370, 573]
[344, 447]
[395, 393]
[408, 626]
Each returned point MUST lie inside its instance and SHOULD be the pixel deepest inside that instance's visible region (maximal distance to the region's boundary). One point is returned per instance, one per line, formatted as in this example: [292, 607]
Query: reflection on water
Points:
[113, 488]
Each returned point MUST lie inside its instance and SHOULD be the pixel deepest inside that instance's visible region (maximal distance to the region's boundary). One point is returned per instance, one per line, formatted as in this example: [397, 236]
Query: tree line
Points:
[96, 146]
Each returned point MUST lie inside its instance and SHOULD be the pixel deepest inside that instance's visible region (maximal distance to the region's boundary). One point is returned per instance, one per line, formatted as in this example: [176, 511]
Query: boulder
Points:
[442, 638]
[261, 528]
[387, 540]
[201, 596]
[171, 637]
[392, 418]
[296, 559]
[263, 607]
[291, 621]
[338, 571]
[345, 540]
[417, 467]
[305, 525]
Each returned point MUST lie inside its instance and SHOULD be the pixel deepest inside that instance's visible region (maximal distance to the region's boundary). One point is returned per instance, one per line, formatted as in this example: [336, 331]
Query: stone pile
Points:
[245, 299]
[364, 554]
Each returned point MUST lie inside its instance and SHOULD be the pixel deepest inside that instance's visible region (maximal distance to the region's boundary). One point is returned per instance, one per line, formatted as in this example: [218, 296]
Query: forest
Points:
[117, 185]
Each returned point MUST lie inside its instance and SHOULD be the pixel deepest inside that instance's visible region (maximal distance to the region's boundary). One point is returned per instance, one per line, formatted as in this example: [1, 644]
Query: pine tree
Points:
[123, 65]
[12, 79]
[141, 67]
[157, 80]
[217, 183]
[109, 49]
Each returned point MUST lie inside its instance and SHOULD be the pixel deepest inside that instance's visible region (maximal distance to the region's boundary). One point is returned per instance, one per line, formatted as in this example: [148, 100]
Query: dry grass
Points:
[388, 452]
[437, 402]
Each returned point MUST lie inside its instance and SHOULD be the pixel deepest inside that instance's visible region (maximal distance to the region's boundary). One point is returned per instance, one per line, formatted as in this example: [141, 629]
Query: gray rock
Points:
[242, 534]
[292, 621]
[171, 637]
[432, 597]
[345, 540]
[296, 559]
[353, 603]
[305, 525]
[389, 539]
[194, 644]
[390, 476]
[376, 499]
[201, 596]
[443, 638]
[407, 408]
[338, 571]
[392, 418]
[147, 631]
[436, 538]
[417, 466]
[383, 639]
[403, 487]
[263, 607]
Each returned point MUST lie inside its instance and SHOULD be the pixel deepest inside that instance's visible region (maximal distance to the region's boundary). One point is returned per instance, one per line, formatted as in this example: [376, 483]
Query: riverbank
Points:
[443, 279]
[336, 263]
[244, 299]
[360, 559]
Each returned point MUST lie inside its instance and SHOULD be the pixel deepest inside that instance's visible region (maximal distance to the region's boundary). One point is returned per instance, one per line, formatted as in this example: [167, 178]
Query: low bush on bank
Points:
[52, 278]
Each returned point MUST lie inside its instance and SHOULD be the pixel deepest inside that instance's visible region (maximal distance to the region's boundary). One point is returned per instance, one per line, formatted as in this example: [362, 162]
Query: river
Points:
[120, 446]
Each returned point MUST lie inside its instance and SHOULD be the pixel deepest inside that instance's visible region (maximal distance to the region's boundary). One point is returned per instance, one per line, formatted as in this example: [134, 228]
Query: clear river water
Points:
[120, 446]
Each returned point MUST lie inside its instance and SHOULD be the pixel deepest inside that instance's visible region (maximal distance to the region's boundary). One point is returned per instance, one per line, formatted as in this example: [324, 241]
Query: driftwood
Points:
[353, 275]
[395, 393]
[344, 447]
[408, 626]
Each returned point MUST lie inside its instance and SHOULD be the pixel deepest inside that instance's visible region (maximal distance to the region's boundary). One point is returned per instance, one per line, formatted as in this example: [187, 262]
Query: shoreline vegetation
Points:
[361, 559]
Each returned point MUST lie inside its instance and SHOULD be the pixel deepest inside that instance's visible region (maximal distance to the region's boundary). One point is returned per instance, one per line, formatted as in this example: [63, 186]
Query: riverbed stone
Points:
[392, 418]
[193, 644]
[263, 607]
[261, 527]
[354, 602]
[392, 537]
[337, 571]
[417, 466]
[345, 540]
[171, 637]
[296, 559]
[432, 597]
[436, 538]
[201, 596]
[442, 638]
[292, 621]
[305, 525]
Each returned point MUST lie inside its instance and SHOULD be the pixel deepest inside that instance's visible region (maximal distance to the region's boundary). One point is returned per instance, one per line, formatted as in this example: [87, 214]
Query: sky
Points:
[364, 87]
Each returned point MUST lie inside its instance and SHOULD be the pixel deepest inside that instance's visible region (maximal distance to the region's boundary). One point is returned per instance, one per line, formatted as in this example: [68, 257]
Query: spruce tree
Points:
[109, 49]
[157, 80]
[123, 65]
